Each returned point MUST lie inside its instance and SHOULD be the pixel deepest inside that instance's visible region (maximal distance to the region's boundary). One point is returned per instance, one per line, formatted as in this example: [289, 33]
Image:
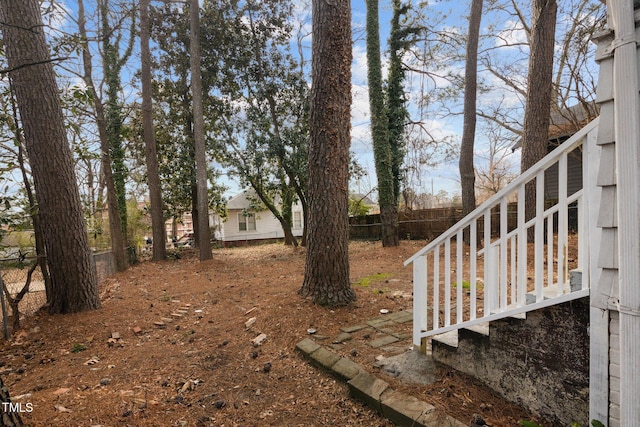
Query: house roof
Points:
[242, 200]
[248, 200]
[363, 198]
[567, 121]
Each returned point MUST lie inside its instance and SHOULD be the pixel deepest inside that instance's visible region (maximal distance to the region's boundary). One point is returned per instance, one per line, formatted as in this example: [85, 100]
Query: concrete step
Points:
[479, 329]
[447, 339]
[477, 335]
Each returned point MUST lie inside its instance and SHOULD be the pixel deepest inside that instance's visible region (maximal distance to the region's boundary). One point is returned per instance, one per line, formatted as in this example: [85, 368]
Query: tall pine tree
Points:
[380, 131]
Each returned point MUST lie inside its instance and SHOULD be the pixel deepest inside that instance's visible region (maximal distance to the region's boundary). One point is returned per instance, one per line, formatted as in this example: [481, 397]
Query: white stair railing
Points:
[493, 276]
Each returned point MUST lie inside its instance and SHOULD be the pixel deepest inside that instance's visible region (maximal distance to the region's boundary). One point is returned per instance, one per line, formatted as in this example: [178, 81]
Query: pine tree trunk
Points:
[539, 92]
[326, 278]
[74, 280]
[204, 234]
[380, 131]
[151, 156]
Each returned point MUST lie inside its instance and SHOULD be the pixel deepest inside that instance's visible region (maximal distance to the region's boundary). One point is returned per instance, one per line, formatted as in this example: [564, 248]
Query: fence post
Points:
[419, 300]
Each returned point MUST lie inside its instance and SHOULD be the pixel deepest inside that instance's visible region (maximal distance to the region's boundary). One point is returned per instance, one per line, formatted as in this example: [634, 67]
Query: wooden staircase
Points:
[485, 268]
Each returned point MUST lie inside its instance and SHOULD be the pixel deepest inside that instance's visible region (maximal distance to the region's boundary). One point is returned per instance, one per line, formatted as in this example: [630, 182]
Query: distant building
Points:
[244, 223]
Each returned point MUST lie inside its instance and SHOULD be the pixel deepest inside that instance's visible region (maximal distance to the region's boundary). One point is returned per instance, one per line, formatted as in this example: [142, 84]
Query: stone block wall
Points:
[541, 362]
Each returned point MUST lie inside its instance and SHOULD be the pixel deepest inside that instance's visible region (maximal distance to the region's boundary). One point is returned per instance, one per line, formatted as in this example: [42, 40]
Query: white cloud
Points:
[359, 65]
[511, 35]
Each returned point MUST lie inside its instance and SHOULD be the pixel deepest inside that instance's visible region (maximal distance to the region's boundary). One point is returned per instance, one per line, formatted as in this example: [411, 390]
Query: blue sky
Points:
[443, 176]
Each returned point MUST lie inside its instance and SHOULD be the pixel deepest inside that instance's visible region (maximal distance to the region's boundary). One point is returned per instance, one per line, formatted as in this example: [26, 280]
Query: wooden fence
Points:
[424, 224]
[427, 224]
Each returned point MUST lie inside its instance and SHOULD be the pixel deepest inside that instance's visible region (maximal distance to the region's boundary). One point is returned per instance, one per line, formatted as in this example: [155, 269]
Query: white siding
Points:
[614, 370]
[618, 176]
[603, 259]
[267, 227]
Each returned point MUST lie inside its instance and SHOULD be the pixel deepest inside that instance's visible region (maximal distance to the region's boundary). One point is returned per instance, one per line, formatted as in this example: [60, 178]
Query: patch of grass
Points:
[467, 285]
[366, 281]
[165, 298]
[78, 347]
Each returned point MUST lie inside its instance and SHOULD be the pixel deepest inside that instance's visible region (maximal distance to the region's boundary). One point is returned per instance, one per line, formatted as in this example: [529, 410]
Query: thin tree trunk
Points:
[326, 278]
[115, 227]
[151, 156]
[195, 222]
[41, 252]
[73, 274]
[204, 234]
[113, 59]
[38, 234]
[467, 170]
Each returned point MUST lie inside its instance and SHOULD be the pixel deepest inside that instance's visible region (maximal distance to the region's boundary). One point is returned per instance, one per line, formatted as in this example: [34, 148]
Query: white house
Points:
[244, 224]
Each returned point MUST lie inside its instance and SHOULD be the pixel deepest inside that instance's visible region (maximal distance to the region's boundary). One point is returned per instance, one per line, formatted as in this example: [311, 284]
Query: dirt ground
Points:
[172, 346]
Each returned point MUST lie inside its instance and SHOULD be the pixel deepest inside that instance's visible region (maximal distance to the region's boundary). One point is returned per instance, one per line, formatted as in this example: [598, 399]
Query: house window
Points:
[297, 220]
[246, 222]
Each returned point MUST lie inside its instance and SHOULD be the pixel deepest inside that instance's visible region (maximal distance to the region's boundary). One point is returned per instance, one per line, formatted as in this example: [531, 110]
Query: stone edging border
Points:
[400, 408]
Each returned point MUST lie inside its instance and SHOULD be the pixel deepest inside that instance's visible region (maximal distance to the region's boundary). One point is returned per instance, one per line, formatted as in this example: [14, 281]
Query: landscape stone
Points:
[307, 346]
[249, 323]
[342, 338]
[393, 350]
[352, 329]
[259, 340]
[379, 322]
[403, 336]
[381, 342]
[368, 389]
[325, 357]
[438, 419]
[346, 369]
[401, 316]
[403, 409]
